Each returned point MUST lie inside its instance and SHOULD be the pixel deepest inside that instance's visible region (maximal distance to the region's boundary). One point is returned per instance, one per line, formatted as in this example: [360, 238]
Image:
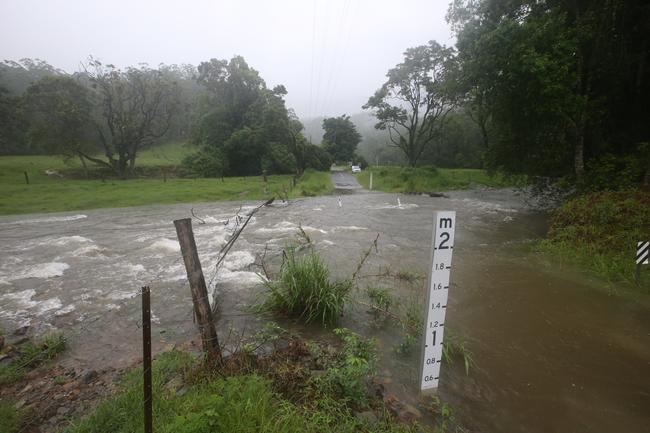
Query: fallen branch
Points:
[201, 220]
[238, 230]
[365, 256]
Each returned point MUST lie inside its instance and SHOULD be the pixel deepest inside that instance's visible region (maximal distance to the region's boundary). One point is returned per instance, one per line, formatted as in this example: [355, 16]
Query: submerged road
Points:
[344, 181]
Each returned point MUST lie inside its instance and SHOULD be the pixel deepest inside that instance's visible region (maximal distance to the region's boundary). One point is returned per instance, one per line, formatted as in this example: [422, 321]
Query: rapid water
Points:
[552, 353]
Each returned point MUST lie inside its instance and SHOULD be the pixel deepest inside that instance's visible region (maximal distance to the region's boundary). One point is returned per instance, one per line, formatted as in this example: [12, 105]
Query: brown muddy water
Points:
[553, 352]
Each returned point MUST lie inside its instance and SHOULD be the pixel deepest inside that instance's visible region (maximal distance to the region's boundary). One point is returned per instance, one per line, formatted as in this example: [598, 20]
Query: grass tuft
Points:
[303, 289]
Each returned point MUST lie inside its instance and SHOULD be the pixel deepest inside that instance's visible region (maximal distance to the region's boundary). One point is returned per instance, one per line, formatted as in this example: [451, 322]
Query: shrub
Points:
[346, 377]
[317, 158]
[303, 289]
[205, 163]
[601, 230]
[278, 160]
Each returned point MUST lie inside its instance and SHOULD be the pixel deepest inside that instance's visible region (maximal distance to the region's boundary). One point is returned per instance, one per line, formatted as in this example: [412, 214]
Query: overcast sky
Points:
[330, 54]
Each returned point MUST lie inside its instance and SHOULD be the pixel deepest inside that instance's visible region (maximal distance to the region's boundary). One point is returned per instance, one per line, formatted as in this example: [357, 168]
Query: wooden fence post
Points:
[199, 290]
[146, 359]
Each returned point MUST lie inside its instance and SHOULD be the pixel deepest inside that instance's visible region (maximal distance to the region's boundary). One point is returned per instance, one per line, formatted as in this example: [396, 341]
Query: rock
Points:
[2, 341]
[438, 194]
[63, 411]
[367, 417]
[181, 392]
[89, 376]
[25, 389]
[20, 404]
[408, 414]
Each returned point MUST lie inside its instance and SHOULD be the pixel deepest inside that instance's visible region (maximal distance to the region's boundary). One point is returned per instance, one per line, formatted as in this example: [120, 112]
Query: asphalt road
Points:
[344, 181]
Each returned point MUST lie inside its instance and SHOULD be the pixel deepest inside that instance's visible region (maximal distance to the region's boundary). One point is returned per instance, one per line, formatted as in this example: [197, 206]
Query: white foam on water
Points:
[146, 237]
[215, 220]
[240, 277]
[326, 242]
[65, 240]
[134, 269]
[317, 209]
[65, 310]
[347, 228]
[23, 297]
[238, 260]
[47, 305]
[313, 229]
[120, 295]
[51, 219]
[281, 227]
[166, 245]
[89, 250]
[395, 206]
[44, 271]
[21, 317]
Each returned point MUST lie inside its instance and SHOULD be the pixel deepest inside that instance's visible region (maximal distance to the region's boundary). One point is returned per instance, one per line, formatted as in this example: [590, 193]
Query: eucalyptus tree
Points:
[413, 103]
[59, 113]
[135, 107]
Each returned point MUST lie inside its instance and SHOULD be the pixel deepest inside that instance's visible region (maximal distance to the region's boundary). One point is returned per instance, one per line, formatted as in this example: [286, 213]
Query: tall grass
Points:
[303, 289]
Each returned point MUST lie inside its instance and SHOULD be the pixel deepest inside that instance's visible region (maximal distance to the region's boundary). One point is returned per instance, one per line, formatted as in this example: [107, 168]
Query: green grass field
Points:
[429, 179]
[54, 194]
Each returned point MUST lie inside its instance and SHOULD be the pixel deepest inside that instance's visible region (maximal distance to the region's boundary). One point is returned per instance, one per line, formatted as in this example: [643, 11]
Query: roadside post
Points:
[442, 246]
[370, 188]
[642, 253]
[146, 360]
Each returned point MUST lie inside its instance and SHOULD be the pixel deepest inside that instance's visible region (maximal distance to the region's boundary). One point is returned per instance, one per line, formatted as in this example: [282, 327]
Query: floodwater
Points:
[553, 353]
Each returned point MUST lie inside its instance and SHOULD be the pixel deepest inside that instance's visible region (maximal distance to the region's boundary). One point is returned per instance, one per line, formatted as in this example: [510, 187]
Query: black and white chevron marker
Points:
[642, 252]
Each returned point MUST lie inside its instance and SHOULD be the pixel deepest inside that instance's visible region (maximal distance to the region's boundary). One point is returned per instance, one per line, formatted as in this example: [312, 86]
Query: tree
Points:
[558, 85]
[136, 107]
[413, 102]
[340, 138]
[245, 125]
[12, 125]
[59, 112]
[16, 76]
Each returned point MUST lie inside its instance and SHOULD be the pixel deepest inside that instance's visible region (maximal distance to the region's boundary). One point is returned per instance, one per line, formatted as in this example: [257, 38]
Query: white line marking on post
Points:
[642, 252]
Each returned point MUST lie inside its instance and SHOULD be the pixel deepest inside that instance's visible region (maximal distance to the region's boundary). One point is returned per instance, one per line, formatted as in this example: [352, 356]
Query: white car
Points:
[356, 169]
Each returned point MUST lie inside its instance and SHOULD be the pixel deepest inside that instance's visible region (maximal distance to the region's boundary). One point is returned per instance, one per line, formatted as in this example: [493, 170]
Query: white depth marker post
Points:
[444, 226]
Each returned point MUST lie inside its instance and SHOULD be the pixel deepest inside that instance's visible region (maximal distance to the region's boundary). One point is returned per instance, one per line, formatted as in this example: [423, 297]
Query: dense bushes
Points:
[601, 230]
